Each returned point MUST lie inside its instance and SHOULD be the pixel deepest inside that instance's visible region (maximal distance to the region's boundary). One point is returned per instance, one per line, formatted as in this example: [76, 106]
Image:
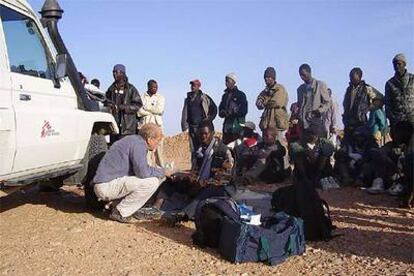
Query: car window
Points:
[27, 54]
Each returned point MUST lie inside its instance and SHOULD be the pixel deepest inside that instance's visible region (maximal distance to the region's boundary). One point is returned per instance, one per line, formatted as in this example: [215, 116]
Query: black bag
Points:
[279, 237]
[302, 200]
[209, 217]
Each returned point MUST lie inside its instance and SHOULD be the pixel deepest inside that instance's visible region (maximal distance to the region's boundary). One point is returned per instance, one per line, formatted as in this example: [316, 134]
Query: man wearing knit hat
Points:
[273, 101]
[313, 101]
[123, 102]
[399, 93]
[233, 109]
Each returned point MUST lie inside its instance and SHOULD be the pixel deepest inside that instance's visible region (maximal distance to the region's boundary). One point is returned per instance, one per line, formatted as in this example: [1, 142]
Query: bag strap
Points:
[264, 249]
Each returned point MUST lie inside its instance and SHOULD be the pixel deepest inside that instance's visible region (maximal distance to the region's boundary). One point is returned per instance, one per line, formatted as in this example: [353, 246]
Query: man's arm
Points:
[158, 108]
[135, 103]
[243, 107]
[326, 100]
[184, 115]
[262, 100]
[212, 109]
[222, 107]
[140, 167]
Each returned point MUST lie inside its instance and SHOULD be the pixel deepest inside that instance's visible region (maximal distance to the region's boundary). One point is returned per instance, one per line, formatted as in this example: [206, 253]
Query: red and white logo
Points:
[47, 130]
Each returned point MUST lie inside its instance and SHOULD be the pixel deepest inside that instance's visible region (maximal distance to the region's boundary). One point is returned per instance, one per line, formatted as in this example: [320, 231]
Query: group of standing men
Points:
[125, 175]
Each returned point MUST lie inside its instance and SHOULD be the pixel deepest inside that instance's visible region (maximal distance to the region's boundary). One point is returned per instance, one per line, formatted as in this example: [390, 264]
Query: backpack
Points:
[279, 237]
[218, 225]
[301, 200]
[209, 217]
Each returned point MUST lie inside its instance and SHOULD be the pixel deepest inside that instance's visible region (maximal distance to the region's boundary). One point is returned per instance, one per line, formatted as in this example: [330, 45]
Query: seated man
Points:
[312, 159]
[124, 173]
[391, 158]
[351, 157]
[265, 161]
[209, 172]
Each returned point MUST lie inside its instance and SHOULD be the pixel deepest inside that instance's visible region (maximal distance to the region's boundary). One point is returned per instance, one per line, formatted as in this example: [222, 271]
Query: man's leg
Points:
[134, 191]
[138, 192]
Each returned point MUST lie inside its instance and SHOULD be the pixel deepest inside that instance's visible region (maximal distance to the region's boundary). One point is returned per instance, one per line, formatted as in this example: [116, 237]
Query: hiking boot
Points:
[377, 186]
[148, 213]
[116, 215]
[174, 218]
[396, 189]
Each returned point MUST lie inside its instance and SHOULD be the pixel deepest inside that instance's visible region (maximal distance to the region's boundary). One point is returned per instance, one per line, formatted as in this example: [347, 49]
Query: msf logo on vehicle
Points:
[48, 130]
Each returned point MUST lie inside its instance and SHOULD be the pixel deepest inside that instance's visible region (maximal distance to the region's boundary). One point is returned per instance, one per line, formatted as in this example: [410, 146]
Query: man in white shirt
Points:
[151, 112]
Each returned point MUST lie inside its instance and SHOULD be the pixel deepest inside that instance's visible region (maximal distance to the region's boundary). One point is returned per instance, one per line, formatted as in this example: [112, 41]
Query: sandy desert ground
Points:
[54, 234]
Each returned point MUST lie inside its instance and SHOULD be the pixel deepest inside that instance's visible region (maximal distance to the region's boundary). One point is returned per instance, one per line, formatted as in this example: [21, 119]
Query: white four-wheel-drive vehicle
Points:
[48, 129]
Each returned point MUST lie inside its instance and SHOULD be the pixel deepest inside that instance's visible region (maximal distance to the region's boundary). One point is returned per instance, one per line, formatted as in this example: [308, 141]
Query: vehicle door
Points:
[46, 128]
[7, 126]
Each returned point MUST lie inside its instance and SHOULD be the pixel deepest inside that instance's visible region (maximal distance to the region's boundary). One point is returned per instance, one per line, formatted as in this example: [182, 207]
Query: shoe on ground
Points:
[396, 189]
[148, 213]
[377, 186]
[174, 218]
[116, 215]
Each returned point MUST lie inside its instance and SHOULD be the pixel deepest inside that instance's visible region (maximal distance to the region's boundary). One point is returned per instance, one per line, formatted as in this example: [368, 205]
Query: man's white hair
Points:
[150, 130]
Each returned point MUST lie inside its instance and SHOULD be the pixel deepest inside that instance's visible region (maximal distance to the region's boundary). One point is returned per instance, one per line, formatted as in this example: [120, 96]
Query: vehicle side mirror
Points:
[61, 61]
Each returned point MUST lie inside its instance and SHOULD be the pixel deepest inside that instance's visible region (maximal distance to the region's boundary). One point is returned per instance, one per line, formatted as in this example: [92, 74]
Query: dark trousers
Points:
[195, 142]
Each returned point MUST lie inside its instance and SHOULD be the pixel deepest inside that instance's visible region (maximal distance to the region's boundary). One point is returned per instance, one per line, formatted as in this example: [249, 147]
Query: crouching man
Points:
[124, 173]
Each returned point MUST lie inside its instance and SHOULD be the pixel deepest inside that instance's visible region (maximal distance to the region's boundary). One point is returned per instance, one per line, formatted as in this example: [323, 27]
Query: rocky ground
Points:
[53, 234]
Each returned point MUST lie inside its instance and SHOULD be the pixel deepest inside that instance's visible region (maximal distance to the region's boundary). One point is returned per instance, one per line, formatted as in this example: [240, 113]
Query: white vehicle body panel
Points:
[41, 127]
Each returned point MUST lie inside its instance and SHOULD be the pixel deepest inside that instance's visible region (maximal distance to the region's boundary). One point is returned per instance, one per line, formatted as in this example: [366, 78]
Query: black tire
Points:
[97, 144]
[91, 199]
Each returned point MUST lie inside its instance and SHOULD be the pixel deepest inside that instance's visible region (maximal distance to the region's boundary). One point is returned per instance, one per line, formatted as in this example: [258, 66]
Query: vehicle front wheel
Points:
[97, 144]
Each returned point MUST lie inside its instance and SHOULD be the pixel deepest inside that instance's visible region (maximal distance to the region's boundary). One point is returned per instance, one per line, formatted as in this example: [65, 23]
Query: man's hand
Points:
[168, 172]
[227, 165]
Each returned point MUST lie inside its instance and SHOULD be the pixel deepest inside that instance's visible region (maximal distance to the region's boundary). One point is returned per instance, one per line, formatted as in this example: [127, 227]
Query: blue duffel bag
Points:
[279, 237]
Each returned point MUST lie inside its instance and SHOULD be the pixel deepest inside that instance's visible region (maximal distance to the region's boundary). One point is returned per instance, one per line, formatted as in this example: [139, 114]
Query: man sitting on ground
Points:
[210, 171]
[312, 159]
[350, 158]
[124, 173]
[264, 162]
[391, 159]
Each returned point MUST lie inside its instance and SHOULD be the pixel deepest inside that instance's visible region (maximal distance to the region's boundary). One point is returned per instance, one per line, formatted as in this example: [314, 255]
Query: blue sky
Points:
[176, 41]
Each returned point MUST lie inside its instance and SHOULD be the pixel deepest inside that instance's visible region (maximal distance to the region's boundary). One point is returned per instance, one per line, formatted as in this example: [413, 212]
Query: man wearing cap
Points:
[399, 93]
[313, 100]
[273, 100]
[357, 102]
[123, 102]
[233, 109]
[198, 107]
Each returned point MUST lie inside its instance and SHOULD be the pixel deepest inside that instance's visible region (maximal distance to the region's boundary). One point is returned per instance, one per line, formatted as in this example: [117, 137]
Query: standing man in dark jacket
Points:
[357, 102]
[123, 101]
[233, 108]
[399, 93]
[198, 107]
